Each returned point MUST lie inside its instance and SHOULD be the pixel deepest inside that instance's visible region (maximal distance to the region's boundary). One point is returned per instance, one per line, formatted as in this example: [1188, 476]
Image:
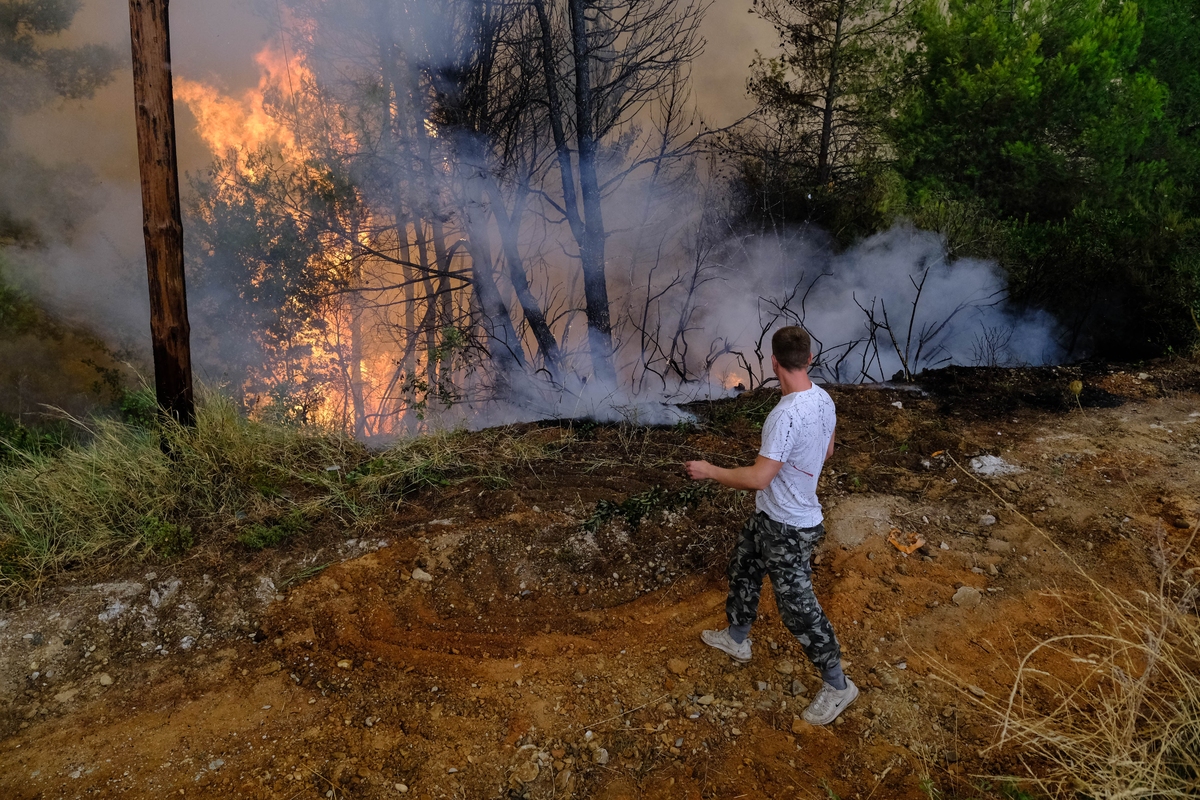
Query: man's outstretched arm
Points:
[755, 477]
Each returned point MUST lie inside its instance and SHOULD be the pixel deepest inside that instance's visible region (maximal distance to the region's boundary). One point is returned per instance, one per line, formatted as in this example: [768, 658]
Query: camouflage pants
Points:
[785, 553]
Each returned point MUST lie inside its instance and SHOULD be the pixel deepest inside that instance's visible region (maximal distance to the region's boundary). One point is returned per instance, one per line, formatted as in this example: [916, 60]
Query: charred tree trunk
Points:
[504, 346]
[588, 230]
[591, 247]
[510, 228]
[162, 224]
[831, 98]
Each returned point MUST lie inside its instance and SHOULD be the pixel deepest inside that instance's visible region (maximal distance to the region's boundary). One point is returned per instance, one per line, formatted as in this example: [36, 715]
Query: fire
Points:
[352, 363]
[240, 124]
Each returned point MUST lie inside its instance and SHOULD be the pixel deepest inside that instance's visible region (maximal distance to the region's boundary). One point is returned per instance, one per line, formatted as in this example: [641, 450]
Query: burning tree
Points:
[405, 205]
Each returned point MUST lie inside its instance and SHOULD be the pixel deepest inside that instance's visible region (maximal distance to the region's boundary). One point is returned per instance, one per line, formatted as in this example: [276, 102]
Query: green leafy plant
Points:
[637, 507]
[166, 538]
[258, 536]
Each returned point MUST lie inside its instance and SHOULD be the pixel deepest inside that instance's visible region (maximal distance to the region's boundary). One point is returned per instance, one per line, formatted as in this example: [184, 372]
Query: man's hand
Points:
[754, 477]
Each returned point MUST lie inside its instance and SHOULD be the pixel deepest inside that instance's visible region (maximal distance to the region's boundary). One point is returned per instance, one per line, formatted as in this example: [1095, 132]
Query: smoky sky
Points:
[97, 278]
[214, 42]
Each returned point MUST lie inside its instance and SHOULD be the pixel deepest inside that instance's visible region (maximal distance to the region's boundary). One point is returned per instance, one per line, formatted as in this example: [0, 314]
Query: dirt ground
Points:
[538, 635]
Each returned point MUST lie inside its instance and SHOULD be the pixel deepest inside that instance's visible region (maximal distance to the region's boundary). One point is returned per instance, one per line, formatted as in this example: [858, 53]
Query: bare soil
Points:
[521, 638]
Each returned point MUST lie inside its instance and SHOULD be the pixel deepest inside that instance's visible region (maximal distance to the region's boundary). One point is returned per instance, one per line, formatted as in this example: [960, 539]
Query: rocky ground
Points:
[536, 634]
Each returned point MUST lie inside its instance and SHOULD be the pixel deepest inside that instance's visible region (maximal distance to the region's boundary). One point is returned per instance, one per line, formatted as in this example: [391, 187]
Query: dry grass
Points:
[1112, 712]
[166, 488]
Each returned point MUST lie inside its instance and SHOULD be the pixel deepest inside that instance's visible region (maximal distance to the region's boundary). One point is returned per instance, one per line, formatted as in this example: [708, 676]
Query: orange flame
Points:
[243, 124]
[228, 123]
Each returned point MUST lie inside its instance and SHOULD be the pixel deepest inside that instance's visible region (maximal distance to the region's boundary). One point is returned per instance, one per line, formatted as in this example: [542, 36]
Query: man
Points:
[779, 539]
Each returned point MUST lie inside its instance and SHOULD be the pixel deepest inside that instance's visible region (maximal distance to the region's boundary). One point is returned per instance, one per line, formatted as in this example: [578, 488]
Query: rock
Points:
[165, 593]
[1012, 486]
[269, 669]
[967, 597]
[216, 763]
[987, 519]
[600, 756]
[798, 725]
[1143, 376]
[114, 609]
[797, 688]
[975, 690]
[401, 788]
[991, 466]
[345, 663]
[66, 696]
[888, 678]
[105, 679]
[706, 700]
[784, 667]
[677, 666]
[992, 570]
[762, 686]
[999, 545]
[419, 574]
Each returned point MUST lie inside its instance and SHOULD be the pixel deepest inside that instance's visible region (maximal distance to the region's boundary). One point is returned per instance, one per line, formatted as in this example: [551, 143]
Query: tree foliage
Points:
[1059, 137]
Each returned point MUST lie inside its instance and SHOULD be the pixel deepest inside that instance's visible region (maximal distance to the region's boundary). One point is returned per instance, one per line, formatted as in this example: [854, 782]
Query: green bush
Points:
[258, 536]
[167, 538]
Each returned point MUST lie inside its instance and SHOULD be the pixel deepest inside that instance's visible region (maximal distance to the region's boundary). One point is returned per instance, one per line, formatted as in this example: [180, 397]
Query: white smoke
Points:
[928, 310]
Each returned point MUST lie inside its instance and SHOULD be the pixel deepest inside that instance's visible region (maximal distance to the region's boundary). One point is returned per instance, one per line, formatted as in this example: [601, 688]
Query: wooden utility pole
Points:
[161, 220]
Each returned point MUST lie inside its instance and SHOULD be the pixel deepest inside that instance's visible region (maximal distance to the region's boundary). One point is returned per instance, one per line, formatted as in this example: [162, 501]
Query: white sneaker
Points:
[725, 643]
[829, 702]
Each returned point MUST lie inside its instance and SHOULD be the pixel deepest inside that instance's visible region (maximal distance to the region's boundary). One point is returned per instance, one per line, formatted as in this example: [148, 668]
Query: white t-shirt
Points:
[797, 432]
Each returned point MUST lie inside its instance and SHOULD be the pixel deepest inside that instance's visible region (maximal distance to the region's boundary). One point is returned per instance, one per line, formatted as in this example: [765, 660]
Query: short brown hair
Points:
[791, 347]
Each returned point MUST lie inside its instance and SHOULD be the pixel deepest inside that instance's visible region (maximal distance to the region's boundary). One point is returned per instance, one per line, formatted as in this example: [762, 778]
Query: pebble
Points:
[975, 690]
[677, 666]
[967, 597]
[784, 667]
[526, 772]
[401, 788]
[105, 679]
[345, 663]
[987, 519]
[798, 725]
[992, 570]
[798, 688]
[706, 700]
[419, 574]
[601, 756]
